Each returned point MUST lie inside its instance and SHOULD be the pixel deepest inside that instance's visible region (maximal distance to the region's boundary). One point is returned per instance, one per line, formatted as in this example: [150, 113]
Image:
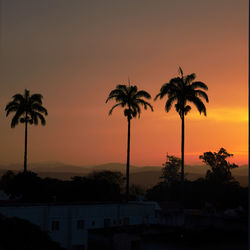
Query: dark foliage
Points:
[171, 170]
[129, 98]
[218, 187]
[98, 186]
[27, 109]
[198, 192]
[220, 168]
[20, 234]
[184, 89]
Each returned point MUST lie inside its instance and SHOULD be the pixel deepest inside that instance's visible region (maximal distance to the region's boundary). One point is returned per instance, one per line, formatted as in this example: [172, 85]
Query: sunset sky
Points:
[75, 52]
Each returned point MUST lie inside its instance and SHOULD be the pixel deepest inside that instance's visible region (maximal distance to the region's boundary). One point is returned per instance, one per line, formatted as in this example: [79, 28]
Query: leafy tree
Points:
[109, 183]
[220, 171]
[19, 186]
[136, 191]
[129, 98]
[110, 176]
[27, 109]
[171, 170]
[218, 187]
[183, 89]
[97, 186]
[16, 233]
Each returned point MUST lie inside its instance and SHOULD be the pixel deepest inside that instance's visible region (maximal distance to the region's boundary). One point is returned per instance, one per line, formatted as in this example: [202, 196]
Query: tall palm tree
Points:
[129, 98]
[27, 109]
[181, 90]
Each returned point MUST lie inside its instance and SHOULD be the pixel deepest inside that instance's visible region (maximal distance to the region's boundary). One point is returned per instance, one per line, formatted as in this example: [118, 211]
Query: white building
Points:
[68, 224]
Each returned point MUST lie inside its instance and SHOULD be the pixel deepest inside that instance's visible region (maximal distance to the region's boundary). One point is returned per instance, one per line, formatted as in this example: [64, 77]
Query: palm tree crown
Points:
[129, 98]
[28, 108]
[183, 89]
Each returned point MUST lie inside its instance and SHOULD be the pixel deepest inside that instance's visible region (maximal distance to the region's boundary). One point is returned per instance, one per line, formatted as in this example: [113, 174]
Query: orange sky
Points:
[75, 52]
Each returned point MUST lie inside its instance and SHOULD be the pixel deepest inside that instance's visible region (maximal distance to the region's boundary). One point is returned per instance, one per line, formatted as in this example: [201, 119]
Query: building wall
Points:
[69, 224]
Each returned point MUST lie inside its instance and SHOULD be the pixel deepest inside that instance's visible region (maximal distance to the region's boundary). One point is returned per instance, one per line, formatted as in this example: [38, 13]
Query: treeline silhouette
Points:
[29, 187]
[218, 188]
[201, 191]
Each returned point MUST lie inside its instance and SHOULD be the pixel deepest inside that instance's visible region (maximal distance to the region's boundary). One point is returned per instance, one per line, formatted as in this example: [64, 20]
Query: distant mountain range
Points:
[145, 176]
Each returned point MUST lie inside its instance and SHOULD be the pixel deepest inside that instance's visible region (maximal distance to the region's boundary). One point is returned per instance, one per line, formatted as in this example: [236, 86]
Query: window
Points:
[125, 221]
[78, 247]
[107, 222]
[80, 225]
[55, 225]
[145, 219]
[156, 214]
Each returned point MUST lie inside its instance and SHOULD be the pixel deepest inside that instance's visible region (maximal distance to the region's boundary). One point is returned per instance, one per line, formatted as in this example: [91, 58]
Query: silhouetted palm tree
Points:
[181, 90]
[129, 98]
[28, 109]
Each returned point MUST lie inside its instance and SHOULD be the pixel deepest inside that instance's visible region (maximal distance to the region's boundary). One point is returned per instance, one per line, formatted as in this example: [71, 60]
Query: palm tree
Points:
[27, 109]
[129, 98]
[181, 90]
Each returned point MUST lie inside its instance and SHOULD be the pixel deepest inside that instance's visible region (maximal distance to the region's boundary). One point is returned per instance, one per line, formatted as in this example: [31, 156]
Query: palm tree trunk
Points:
[182, 160]
[128, 158]
[25, 145]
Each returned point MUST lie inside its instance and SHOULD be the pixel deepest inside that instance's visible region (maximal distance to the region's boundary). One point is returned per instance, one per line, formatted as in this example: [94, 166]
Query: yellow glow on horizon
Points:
[215, 114]
[224, 114]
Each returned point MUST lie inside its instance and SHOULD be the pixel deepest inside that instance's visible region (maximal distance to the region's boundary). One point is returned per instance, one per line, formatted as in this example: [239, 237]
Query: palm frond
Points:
[12, 104]
[178, 109]
[169, 103]
[175, 85]
[127, 113]
[40, 108]
[200, 93]
[199, 84]
[180, 71]
[116, 94]
[183, 89]
[18, 98]
[117, 98]
[26, 108]
[143, 93]
[15, 119]
[123, 88]
[145, 104]
[11, 109]
[190, 78]
[116, 105]
[36, 98]
[187, 109]
[156, 97]
[163, 91]
[34, 118]
[136, 110]
[42, 119]
[132, 90]
[199, 104]
[129, 97]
